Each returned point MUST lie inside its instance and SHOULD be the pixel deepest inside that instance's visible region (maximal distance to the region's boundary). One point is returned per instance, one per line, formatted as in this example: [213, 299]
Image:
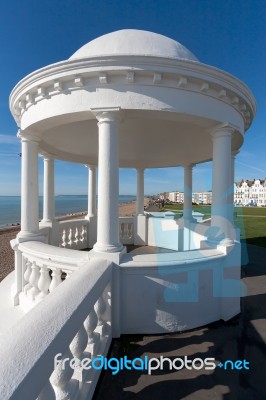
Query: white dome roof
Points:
[134, 42]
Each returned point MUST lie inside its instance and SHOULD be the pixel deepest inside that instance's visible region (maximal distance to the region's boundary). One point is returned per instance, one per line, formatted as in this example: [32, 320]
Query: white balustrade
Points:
[44, 270]
[126, 230]
[73, 234]
[79, 328]
[41, 279]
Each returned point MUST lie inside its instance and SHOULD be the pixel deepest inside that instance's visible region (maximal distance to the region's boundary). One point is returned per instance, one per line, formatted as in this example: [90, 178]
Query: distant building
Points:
[164, 196]
[197, 197]
[202, 197]
[176, 197]
[250, 192]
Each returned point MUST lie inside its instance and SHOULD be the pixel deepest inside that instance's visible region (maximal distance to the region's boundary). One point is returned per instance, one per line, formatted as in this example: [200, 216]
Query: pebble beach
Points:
[8, 233]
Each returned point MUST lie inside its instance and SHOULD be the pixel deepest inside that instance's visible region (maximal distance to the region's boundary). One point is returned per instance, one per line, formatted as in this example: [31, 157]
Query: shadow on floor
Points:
[242, 338]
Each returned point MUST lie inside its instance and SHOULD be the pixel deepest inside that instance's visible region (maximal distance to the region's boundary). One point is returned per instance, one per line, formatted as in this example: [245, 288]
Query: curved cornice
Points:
[78, 74]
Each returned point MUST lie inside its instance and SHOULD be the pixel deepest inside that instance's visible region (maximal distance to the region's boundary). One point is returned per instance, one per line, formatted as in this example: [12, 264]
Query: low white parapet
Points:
[71, 324]
[40, 268]
[178, 291]
[174, 234]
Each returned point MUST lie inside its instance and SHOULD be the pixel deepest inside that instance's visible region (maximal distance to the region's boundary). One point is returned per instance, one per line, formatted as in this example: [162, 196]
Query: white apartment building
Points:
[250, 192]
[176, 197]
[197, 197]
[202, 197]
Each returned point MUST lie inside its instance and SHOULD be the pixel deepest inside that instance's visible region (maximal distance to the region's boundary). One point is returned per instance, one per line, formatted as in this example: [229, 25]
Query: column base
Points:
[46, 222]
[89, 216]
[24, 236]
[112, 256]
[108, 248]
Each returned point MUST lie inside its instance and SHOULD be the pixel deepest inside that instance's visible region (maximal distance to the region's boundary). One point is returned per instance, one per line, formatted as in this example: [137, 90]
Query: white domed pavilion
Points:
[131, 99]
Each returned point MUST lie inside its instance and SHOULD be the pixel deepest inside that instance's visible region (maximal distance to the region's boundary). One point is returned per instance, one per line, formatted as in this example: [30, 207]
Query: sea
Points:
[64, 204]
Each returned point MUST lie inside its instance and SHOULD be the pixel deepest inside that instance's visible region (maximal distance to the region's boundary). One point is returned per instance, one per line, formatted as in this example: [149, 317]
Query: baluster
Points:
[122, 231]
[61, 381]
[76, 240]
[70, 237]
[27, 275]
[34, 279]
[64, 238]
[85, 232]
[130, 230]
[126, 231]
[90, 325]
[68, 273]
[107, 296]
[82, 234]
[56, 279]
[79, 343]
[100, 309]
[44, 281]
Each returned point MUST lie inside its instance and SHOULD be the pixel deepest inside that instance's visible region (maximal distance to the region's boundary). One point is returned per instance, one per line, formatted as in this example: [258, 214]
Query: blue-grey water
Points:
[10, 206]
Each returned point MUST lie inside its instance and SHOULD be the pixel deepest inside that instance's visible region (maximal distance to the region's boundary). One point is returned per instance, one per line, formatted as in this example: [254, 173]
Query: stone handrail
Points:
[41, 268]
[74, 321]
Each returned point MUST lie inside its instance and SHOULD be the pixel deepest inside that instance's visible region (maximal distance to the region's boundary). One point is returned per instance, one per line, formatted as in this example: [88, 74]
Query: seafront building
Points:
[246, 193]
[176, 197]
[197, 197]
[250, 192]
[108, 106]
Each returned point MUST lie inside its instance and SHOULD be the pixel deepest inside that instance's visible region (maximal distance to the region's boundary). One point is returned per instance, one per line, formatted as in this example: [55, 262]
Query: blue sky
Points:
[228, 34]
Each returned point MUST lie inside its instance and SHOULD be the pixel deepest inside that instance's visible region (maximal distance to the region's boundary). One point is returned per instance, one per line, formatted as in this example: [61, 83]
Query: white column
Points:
[29, 185]
[221, 218]
[108, 183]
[187, 209]
[48, 189]
[140, 192]
[91, 191]
[231, 186]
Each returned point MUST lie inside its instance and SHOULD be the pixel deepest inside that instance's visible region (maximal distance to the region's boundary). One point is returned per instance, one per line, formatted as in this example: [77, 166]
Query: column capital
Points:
[27, 135]
[89, 166]
[109, 114]
[189, 166]
[140, 169]
[223, 130]
[47, 156]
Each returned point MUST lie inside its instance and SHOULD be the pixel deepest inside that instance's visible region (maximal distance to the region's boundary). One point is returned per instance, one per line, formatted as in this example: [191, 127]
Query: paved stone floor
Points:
[244, 337]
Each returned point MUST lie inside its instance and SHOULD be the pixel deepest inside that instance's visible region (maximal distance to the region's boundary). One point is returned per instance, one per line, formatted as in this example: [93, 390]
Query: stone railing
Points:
[126, 230]
[78, 234]
[41, 268]
[71, 324]
[73, 234]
